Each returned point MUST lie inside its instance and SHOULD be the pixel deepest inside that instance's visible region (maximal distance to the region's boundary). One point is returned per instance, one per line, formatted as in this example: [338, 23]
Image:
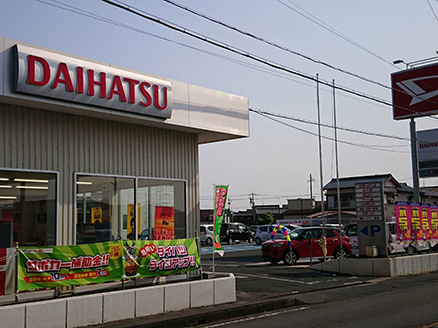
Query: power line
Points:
[330, 126]
[222, 45]
[371, 147]
[433, 11]
[332, 30]
[316, 61]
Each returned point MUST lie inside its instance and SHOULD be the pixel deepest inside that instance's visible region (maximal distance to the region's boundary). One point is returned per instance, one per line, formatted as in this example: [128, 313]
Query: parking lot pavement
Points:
[230, 248]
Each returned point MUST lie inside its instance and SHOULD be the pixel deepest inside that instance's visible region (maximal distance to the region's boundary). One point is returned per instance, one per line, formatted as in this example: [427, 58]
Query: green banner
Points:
[55, 266]
[148, 258]
[221, 193]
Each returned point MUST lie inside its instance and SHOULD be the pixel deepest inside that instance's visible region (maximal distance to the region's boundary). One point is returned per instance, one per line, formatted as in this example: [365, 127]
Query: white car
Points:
[206, 234]
[264, 232]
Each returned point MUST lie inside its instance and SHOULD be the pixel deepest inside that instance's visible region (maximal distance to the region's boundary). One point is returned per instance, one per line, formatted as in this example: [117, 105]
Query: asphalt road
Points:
[328, 300]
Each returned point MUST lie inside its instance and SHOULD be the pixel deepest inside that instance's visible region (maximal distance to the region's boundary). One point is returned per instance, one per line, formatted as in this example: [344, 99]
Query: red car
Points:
[301, 241]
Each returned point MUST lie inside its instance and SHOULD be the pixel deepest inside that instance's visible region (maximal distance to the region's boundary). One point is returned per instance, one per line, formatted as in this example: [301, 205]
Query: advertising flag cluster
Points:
[416, 223]
[221, 194]
[47, 267]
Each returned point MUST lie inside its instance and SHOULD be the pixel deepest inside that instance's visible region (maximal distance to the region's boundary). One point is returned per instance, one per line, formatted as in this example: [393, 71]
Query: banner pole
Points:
[16, 273]
[214, 223]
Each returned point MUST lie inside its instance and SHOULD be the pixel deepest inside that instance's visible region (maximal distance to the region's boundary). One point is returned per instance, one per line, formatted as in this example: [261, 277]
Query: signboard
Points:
[164, 223]
[370, 211]
[427, 153]
[48, 267]
[220, 200]
[46, 74]
[415, 92]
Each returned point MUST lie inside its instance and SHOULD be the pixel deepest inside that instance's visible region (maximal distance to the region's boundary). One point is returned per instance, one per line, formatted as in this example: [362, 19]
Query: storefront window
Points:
[28, 204]
[105, 209]
[103, 205]
[163, 213]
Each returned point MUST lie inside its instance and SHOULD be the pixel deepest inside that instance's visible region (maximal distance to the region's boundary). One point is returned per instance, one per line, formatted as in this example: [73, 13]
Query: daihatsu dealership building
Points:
[83, 141]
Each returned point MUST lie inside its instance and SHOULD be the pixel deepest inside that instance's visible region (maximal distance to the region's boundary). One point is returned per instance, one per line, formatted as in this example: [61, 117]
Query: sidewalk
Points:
[246, 304]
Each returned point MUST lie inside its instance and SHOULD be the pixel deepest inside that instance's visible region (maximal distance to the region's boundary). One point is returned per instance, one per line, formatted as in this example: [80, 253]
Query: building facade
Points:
[91, 152]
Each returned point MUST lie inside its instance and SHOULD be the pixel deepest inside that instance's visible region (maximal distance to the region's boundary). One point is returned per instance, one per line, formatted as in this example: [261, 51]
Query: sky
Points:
[348, 42]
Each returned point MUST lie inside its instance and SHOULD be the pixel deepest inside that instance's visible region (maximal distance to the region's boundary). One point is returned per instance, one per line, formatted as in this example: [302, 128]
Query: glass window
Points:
[28, 203]
[105, 209]
[161, 204]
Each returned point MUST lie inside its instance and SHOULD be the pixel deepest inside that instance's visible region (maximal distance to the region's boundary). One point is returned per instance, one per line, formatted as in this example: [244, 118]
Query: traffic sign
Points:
[371, 230]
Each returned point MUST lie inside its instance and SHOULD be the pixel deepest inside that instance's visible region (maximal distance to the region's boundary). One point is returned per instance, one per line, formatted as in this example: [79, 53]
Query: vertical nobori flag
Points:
[221, 193]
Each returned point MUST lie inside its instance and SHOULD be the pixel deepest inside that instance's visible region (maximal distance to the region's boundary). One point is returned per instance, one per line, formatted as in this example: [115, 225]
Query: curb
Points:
[205, 315]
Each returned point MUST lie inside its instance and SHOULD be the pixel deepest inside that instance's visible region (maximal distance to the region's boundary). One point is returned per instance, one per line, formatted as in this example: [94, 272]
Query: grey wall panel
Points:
[36, 139]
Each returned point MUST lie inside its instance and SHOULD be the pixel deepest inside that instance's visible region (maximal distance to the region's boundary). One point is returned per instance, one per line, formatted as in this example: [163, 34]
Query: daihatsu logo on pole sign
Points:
[415, 92]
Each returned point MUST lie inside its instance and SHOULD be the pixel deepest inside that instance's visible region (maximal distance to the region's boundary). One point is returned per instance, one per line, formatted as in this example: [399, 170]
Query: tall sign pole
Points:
[414, 157]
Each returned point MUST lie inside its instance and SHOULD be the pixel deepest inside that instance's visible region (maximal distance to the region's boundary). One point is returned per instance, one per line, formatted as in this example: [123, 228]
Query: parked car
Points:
[350, 231]
[264, 232]
[234, 231]
[253, 228]
[206, 234]
[303, 240]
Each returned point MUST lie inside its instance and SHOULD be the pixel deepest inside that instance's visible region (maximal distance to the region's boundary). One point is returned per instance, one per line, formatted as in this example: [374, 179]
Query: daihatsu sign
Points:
[415, 92]
[51, 75]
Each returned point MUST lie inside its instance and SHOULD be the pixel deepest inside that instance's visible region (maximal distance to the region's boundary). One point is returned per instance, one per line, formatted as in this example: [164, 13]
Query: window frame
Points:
[136, 184]
[57, 192]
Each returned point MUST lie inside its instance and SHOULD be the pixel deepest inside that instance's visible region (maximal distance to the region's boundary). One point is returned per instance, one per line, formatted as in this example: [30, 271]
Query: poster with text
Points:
[220, 199]
[433, 223]
[416, 226]
[403, 221]
[164, 223]
[55, 266]
[148, 258]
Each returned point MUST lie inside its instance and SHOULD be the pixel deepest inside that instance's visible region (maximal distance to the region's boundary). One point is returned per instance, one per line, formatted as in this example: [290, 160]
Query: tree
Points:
[267, 218]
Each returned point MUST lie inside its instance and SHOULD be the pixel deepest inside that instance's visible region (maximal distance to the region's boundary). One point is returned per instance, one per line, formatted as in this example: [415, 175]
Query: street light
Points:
[398, 61]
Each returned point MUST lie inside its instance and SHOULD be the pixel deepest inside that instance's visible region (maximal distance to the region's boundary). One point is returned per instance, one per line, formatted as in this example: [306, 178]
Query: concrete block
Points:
[84, 310]
[417, 261]
[349, 266]
[397, 266]
[425, 263]
[12, 316]
[46, 314]
[225, 290]
[118, 305]
[408, 265]
[201, 293]
[433, 262]
[149, 301]
[365, 267]
[381, 267]
[176, 297]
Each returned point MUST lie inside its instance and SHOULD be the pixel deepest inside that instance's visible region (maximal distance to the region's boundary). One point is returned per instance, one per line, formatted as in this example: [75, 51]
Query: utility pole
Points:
[252, 202]
[311, 185]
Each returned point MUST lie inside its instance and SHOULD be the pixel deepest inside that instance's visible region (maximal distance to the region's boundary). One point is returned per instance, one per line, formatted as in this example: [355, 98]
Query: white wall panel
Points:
[36, 139]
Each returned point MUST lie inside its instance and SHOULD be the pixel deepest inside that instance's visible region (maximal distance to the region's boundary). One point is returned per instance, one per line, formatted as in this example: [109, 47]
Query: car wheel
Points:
[209, 241]
[338, 253]
[435, 248]
[410, 250]
[250, 240]
[230, 241]
[258, 241]
[290, 257]
[274, 261]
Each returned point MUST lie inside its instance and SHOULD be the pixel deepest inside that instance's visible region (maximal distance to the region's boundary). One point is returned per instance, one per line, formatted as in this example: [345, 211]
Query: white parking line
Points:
[277, 279]
[271, 314]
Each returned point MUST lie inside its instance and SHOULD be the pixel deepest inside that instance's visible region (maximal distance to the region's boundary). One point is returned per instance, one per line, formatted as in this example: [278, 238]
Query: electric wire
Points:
[316, 61]
[222, 45]
[433, 11]
[370, 147]
[332, 30]
[104, 19]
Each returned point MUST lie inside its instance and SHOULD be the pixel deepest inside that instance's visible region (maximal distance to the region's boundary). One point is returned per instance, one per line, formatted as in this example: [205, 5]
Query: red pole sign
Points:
[415, 92]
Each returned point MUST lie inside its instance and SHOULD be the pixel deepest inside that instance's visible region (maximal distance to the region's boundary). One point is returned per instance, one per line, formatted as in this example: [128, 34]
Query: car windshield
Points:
[296, 233]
